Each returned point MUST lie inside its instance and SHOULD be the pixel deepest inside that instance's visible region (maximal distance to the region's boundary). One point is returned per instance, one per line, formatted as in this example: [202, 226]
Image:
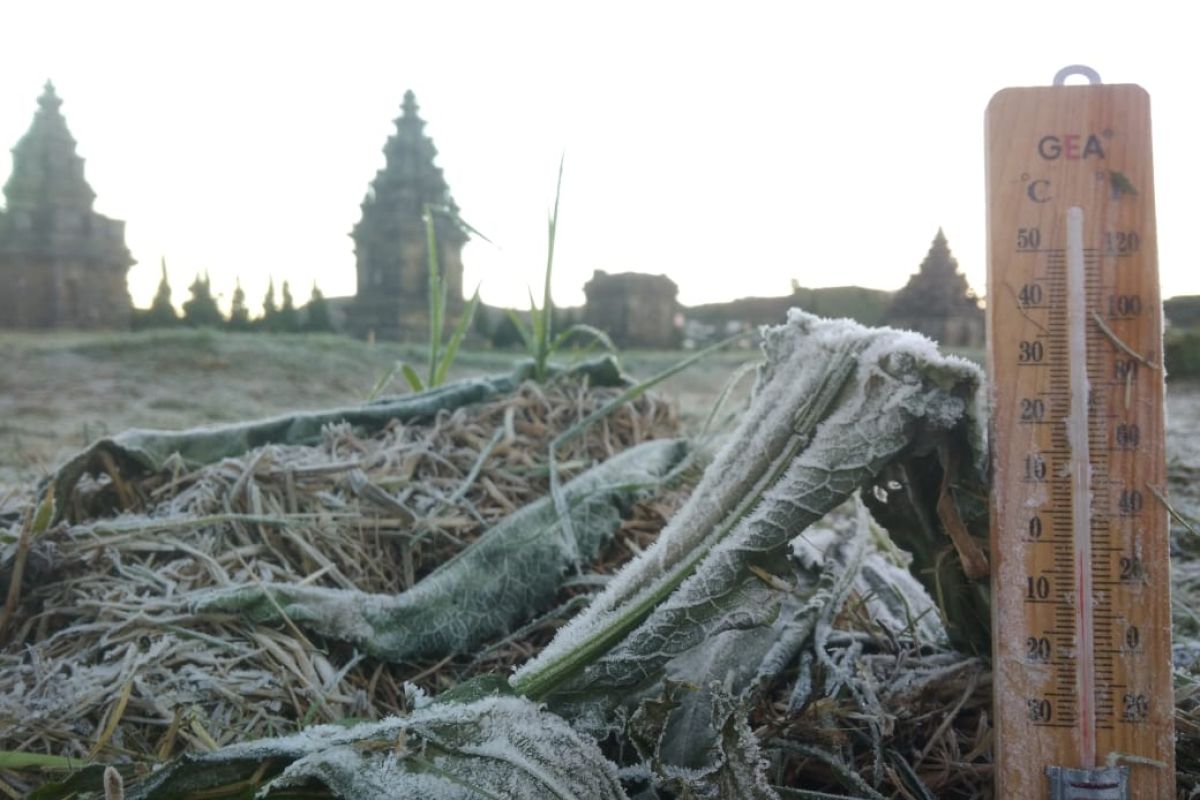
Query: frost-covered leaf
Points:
[833, 405]
[743, 770]
[733, 765]
[497, 747]
[487, 589]
[833, 560]
[649, 720]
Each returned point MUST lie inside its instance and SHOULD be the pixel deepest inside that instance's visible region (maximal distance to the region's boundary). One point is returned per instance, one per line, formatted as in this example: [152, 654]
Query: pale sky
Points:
[731, 146]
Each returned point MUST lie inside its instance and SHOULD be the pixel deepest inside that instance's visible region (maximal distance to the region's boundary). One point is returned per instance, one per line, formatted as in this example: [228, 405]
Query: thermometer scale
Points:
[1080, 560]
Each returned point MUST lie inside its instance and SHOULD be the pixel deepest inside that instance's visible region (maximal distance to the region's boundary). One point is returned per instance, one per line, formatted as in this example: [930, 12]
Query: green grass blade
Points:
[44, 514]
[445, 298]
[584, 331]
[410, 375]
[544, 348]
[522, 328]
[731, 383]
[471, 229]
[460, 331]
[383, 381]
[641, 388]
[437, 296]
[449, 213]
[537, 323]
[14, 759]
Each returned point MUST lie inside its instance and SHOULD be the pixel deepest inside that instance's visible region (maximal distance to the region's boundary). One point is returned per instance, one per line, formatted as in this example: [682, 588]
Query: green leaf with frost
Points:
[831, 561]
[833, 405]
[487, 589]
[496, 747]
[733, 765]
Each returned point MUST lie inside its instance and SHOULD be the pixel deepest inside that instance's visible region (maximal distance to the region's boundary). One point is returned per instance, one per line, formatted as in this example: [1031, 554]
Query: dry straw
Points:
[102, 659]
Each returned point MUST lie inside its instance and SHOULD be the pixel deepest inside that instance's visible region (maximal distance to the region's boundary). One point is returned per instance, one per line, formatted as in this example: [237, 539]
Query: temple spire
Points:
[389, 239]
[409, 107]
[46, 169]
[410, 180]
[49, 101]
[940, 266]
[938, 301]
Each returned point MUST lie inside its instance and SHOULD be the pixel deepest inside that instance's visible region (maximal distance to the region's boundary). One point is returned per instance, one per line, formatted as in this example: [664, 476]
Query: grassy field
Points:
[60, 391]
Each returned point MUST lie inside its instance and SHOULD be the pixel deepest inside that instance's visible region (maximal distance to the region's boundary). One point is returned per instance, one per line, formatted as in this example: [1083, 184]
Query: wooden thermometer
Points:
[1080, 573]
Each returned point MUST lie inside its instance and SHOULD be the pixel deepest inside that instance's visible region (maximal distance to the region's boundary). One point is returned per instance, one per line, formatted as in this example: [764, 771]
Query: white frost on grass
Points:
[834, 402]
[493, 747]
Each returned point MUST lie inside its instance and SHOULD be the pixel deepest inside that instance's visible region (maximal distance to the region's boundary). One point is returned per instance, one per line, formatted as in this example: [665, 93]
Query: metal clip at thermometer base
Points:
[1108, 783]
[1080, 567]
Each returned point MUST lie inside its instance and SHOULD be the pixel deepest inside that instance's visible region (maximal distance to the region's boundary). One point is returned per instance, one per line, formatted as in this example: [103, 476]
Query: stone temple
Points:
[938, 302]
[390, 247]
[634, 309]
[62, 265]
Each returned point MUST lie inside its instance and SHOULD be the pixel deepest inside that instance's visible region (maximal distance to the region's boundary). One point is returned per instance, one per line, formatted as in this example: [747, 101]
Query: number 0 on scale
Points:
[1080, 592]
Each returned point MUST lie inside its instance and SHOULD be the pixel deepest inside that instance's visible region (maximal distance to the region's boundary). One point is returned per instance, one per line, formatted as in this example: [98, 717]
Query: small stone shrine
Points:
[634, 309]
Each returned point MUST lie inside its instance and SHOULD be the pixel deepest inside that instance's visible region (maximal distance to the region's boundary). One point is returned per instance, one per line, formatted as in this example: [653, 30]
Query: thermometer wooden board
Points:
[1080, 559]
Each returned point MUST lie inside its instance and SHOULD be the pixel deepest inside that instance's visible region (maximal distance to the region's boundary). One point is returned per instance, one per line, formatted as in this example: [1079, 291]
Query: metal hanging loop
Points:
[1060, 78]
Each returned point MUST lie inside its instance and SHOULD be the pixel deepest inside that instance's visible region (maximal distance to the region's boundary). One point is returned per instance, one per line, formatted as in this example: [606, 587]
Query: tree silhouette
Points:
[239, 315]
[161, 313]
[270, 316]
[316, 317]
[288, 320]
[201, 310]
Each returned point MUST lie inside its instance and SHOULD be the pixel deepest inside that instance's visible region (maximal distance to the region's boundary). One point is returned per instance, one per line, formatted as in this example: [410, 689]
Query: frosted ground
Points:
[127, 375]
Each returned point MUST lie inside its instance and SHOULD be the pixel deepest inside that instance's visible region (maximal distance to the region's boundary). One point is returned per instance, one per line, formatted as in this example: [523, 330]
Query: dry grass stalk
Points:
[102, 658]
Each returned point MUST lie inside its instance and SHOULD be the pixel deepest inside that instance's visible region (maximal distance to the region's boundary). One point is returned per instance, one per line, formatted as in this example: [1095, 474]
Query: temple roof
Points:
[629, 281]
[47, 172]
[937, 288]
[48, 214]
[409, 180]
